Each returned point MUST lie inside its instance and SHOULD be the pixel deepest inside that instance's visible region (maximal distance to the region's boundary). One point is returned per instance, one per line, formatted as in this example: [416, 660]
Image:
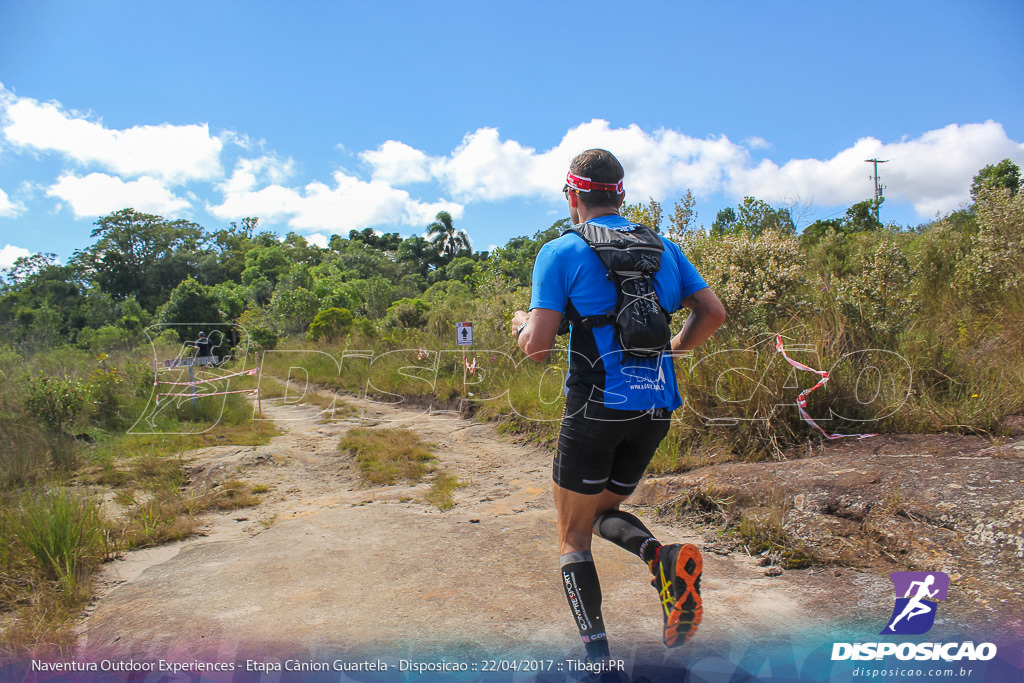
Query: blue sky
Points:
[319, 117]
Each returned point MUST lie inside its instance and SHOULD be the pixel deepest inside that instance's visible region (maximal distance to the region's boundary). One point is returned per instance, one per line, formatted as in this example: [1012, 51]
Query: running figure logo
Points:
[917, 594]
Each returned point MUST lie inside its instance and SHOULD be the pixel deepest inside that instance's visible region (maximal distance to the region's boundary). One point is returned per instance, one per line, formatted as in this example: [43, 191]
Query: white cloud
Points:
[932, 172]
[485, 167]
[250, 173]
[396, 163]
[8, 207]
[10, 253]
[174, 154]
[97, 194]
[351, 204]
[318, 239]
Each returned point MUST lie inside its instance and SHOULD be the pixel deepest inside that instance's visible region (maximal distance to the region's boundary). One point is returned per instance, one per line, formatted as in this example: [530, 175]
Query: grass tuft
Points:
[441, 491]
[387, 456]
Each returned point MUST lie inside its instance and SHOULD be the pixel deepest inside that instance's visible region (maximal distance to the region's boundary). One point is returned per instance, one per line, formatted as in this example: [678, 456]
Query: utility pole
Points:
[878, 186]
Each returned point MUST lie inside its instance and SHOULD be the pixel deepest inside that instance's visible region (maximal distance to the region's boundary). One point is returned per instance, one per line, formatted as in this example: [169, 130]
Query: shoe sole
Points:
[688, 609]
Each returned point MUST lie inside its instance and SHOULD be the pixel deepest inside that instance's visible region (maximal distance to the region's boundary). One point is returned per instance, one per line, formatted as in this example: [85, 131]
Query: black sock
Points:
[628, 532]
[583, 591]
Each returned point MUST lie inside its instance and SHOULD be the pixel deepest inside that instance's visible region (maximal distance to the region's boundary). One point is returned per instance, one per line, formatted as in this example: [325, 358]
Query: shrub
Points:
[878, 300]
[759, 279]
[56, 401]
[995, 263]
[407, 313]
[330, 324]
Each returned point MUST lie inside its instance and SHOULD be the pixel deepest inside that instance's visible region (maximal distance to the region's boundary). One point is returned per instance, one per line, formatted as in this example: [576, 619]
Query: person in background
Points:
[204, 348]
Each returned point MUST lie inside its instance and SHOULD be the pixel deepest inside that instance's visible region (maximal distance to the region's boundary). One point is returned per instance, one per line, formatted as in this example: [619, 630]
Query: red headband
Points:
[586, 184]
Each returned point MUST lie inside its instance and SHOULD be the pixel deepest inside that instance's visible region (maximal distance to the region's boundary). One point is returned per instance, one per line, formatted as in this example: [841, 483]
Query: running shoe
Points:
[676, 570]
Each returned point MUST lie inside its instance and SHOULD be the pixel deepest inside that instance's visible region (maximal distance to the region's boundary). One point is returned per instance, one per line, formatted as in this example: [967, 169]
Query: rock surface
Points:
[893, 502]
[326, 566]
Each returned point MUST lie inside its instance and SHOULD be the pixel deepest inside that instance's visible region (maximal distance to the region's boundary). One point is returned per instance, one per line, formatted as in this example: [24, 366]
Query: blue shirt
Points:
[568, 270]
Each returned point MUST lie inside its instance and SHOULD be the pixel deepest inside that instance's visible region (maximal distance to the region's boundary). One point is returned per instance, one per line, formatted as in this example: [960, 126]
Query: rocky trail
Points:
[325, 566]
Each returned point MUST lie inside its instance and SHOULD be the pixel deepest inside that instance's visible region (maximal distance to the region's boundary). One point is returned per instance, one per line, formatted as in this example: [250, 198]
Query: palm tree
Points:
[448, 241]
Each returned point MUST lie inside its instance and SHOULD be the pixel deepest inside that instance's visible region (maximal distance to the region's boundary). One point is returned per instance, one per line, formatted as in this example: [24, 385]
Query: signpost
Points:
[464, 334]
[464, 338]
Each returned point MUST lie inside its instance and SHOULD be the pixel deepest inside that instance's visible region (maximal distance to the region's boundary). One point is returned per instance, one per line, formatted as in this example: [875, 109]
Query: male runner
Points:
[617, 407]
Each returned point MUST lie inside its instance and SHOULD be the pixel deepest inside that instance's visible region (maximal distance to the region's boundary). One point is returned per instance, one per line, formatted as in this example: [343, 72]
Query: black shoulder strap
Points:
[633, 252]
[623, 251]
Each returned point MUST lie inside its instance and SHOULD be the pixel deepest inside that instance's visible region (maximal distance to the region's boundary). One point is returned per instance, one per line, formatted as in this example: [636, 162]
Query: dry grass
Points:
[387, 456]
[442, 490]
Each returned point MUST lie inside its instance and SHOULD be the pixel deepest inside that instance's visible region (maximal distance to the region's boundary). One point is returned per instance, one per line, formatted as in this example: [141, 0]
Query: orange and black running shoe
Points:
[677, 570]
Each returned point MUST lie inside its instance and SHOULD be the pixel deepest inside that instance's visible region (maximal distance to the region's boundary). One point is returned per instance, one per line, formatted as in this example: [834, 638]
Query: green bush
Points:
[407, 313]
[330, 324]
[56, 401]
[879, 300]
[760, 279]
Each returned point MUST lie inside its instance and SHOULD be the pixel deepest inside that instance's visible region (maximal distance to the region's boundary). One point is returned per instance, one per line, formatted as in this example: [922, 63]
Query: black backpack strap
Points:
[573, 317]
[638, 250]
[625, 254]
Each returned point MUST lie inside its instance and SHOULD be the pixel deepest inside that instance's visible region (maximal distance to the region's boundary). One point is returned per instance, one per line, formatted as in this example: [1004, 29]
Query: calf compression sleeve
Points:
[583, 591]
[627, 532]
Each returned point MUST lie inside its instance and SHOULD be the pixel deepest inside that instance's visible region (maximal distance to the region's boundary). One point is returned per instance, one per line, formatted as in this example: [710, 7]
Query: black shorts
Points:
[601, 448]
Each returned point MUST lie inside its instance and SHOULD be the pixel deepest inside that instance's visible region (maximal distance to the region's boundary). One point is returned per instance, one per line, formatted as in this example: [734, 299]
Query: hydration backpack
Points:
[632, 258]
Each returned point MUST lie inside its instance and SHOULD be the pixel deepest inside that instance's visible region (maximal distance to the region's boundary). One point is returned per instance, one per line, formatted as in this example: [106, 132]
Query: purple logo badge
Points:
[917, 596]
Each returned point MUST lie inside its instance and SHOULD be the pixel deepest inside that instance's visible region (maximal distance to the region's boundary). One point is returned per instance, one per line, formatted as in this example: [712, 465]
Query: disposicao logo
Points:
[917, 597]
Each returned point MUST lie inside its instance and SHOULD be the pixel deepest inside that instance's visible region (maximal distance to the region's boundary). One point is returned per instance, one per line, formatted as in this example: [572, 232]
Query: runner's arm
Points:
[538, 337]
[706, 315]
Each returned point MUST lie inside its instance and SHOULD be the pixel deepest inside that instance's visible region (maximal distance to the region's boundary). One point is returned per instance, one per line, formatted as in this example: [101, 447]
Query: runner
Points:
[617, 407]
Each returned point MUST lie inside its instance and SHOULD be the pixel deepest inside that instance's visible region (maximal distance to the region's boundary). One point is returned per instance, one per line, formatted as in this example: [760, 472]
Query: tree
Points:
[725, 222]
[1005, 174]
[514, 260]
[756, 217]
[191, 308]
[42, 300]
[449, 242]
[387, 242]
[646, 214]
[141, 254]
[683, 217]
[265, 263]
[859, 218]
[753, 217]
[418, 255]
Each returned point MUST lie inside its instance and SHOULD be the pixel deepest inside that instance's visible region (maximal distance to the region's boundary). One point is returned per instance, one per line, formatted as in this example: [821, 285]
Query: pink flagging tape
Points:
[253, 371]
[801, 400]
[215, 393]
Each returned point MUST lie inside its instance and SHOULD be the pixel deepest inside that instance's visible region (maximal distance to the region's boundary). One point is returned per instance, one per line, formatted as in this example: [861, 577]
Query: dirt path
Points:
[324, 566]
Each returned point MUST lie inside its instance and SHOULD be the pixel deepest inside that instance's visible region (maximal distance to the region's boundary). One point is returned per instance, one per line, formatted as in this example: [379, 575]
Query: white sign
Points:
[464, 334]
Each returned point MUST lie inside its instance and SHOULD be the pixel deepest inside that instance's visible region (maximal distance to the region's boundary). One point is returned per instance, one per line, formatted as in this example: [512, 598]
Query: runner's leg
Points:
[627, 532]
[576, 515]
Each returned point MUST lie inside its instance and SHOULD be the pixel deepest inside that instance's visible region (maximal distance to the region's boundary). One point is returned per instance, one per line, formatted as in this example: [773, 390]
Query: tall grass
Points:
[63, 531]
[56, 452]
